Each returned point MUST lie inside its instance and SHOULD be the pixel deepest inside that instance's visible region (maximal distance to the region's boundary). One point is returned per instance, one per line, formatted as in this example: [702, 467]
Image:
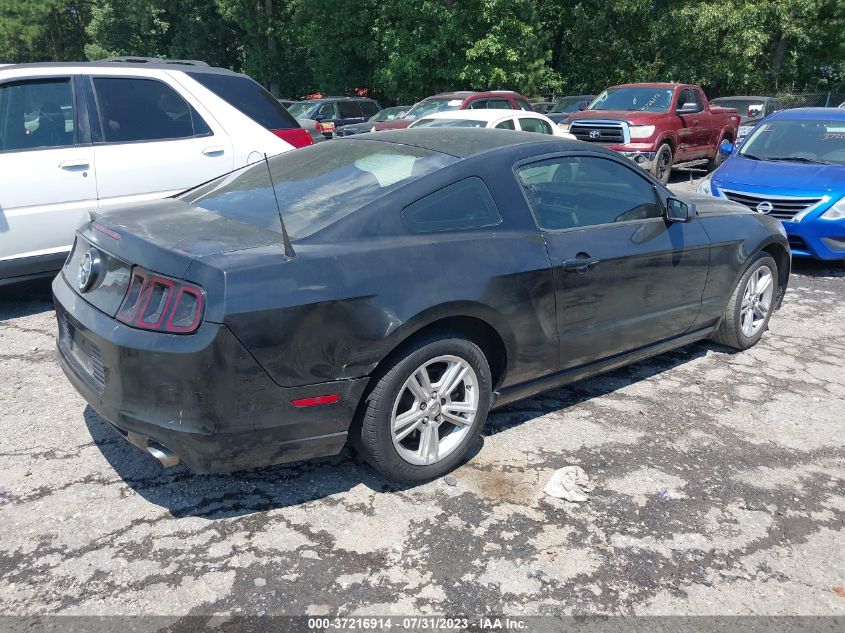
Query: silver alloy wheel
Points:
[756, 301]
[434, 410]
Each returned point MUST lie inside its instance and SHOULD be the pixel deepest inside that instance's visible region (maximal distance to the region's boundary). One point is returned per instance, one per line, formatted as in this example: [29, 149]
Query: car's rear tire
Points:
[409, 429]
[662, 166]
[751, 305]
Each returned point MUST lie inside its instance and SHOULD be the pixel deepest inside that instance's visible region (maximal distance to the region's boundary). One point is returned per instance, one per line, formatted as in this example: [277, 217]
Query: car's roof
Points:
[465, 94]
[667, 85]
[809, 114]
[465, 142]
[67, 66]
[485, 114]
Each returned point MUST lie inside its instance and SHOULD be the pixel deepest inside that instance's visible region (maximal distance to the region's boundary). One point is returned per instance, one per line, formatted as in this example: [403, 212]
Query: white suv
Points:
[76, 137]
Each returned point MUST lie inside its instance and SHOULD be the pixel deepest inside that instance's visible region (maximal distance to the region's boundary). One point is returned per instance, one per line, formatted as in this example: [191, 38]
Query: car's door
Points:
[694, 131]
[624, 277]
[151, 143]
[47, 176]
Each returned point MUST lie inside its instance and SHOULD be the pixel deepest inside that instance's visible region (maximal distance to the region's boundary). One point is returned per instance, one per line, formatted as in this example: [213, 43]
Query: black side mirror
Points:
[583, 105]
[678, 210]
[690, 107]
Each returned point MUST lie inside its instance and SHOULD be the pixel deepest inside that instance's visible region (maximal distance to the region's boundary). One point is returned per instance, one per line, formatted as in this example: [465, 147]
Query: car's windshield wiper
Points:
[798, 159]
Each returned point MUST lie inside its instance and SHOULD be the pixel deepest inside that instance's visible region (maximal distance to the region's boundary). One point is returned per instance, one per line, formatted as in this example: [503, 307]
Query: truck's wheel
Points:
[662, 167]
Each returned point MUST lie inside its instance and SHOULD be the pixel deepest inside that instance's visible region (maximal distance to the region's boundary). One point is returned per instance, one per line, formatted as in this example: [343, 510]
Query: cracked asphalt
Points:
[720, 489]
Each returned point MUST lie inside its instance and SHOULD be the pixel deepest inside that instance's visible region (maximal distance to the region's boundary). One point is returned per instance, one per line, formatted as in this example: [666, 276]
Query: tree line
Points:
[404, 50]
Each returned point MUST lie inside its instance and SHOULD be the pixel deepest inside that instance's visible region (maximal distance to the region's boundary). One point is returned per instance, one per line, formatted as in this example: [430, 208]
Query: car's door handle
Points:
[74, 164]
[580, 264]
[214, 149]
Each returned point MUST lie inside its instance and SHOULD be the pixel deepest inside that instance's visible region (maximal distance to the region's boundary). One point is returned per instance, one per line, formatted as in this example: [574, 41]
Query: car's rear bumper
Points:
[201, 398]
[817, 238]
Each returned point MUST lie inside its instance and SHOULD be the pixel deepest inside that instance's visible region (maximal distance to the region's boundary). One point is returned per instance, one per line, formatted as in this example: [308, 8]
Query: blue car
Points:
[792, 167]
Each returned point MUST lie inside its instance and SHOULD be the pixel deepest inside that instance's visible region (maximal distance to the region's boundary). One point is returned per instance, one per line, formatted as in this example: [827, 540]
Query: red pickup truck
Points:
[657, 125]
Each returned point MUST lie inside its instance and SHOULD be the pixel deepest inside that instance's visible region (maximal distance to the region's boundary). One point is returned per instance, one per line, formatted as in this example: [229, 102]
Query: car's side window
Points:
[579, 191]
[500, 104]
[535, 125]
[524, 105]
[326, 111]
[465, 204]
[369, 108]
[349, 109]
[133, 109]
[37, 115]
[507, 124]
[478, 104]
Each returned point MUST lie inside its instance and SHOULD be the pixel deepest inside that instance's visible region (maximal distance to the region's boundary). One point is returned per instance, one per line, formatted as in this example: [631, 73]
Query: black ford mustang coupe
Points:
[389, 289]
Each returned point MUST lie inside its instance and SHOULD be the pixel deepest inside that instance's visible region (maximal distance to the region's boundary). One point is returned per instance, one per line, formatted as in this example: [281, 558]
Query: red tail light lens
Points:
[295, 136]
[154, 302]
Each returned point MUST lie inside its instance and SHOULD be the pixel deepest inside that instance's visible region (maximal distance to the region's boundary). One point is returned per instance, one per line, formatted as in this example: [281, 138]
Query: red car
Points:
[657, 125]
[461, 100]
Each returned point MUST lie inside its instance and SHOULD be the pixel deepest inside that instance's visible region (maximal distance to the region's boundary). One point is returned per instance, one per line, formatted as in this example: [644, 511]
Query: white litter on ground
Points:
[570, 483]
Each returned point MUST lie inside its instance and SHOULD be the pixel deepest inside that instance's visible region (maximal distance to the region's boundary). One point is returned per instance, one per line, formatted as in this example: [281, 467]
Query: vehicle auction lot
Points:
[720, 489]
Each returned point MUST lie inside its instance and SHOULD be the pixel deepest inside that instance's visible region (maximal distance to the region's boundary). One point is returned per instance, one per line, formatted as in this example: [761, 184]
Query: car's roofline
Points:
[122, 65]
[808, 114]
[485, 114]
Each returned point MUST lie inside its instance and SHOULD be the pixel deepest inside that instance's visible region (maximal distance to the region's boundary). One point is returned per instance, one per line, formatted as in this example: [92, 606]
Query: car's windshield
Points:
[315, 186]
[449, 123]
[568, 104]
[299, 108]
[430, 106]
[802, 141]
[388, 114]
[746, 108]
[642, 99]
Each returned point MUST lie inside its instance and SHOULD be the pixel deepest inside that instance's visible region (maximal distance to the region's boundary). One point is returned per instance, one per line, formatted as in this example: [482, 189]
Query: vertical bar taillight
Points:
[155, 302]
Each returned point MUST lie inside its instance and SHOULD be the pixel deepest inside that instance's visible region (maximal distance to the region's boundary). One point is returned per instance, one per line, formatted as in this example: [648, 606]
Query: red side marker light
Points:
[105, 230]
[316, 400]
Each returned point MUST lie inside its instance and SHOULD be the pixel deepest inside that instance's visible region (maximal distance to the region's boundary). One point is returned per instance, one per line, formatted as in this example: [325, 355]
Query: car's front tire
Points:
[751, 305]
[423, 413]
[662, 166]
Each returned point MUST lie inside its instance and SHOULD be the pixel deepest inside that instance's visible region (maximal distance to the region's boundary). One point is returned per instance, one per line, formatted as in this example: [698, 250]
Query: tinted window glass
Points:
[248, 97]
[463, 205]
[369, 108]
[318, 186]
[144, 110]
[524, 105]
[535, 125]
[574, 192]
[349, 109]
[326, 111]
[479, 104]
[36, 114]
[506, 125]
[500, 104]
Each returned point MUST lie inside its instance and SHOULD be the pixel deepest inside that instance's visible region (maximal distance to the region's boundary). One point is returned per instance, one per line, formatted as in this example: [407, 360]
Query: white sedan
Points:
[494, 118]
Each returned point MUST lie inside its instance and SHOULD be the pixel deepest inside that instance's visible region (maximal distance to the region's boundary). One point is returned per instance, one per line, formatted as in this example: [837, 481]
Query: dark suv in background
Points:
[323, 116]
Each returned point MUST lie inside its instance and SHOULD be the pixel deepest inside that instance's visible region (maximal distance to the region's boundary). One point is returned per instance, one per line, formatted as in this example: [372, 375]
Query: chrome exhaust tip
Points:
[164, 455]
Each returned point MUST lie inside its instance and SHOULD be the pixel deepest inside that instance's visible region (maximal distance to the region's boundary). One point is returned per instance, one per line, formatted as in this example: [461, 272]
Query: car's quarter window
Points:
[349, 109]
[578, 191]
[369, 108]
[316, 186]
[466, 204]
[37, 114]
[507, 124]
[528, 124]
[134, 109]
[250, 98]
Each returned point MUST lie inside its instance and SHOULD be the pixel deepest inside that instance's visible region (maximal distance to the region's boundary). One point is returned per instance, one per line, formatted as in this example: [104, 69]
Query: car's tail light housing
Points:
[159, 303]
[325, 127]
[296, 136]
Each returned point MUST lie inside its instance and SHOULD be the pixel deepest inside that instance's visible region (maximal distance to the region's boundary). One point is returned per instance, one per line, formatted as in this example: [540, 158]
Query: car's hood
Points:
[396, 124]
[805, 177]
[710, 205]
[632, 116]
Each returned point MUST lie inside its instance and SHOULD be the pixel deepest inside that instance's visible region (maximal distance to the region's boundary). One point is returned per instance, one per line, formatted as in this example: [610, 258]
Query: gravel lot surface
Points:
[720, 489]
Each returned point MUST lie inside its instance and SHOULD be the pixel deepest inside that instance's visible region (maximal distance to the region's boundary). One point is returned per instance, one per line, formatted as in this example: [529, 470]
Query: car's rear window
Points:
[249, 97]
[318, 185]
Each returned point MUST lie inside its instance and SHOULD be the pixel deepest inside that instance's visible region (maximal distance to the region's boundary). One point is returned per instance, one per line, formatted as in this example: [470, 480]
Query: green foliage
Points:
[403, 51]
